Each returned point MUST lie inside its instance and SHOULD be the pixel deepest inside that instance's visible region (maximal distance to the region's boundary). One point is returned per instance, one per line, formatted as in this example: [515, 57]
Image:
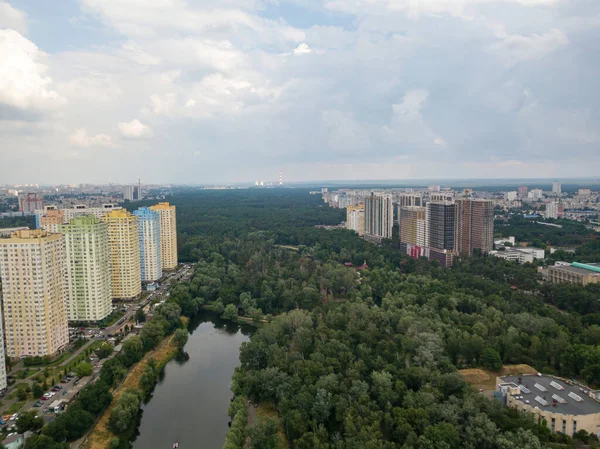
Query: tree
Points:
[490, 359]
[140, 315]
[152, 333]
[43, 442]
[132, 351]
[149, 377]
[230, 312]
[104, 350]
[263, 434]
[28, 421]
[115, 443]
[171, 312]
[95, 397]
[21, 394]
[180, 338]
[124, 414]
[37, 391]
[113, 371]
[84, 369]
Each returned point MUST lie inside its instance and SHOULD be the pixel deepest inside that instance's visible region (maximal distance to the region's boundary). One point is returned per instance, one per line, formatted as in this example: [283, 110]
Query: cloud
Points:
[12, 18]
[440, 142]
[514, 47]
[23, 81]
[81, 138]
[131, 50]
[302, 49]
[134, 129]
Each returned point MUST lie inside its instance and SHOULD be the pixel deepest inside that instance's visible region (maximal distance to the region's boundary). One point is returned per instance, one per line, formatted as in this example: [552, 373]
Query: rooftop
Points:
[575, 270]
[542, 391]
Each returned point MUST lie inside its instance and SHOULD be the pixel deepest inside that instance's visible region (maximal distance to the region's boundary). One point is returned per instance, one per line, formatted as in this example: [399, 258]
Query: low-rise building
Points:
[575, 273]
[564, 406]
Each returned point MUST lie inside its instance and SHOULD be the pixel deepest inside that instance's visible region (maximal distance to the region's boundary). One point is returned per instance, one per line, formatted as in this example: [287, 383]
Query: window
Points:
[553, 425]
[564, 426]
[574, 427]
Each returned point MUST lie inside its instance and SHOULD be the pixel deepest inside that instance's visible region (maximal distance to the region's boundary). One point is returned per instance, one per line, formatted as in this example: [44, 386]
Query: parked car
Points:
[56, 388]
[2, 422]
[65, 380]
[37, 404]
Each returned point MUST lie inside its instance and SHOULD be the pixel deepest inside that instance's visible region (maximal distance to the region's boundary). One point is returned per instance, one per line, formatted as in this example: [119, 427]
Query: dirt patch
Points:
[486, 380]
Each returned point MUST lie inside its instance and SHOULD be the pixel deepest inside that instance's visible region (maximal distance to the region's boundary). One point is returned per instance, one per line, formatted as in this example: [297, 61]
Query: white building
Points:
[379, 216]
[554, 209]
[355, 219]
[521, 255]
[511, 196]
[535, 194]
[556, 188]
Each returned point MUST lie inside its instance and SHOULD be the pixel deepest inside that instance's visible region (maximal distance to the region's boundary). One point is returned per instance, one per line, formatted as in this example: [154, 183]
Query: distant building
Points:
[7, 232]
[379, 216]
[556, 188]
[584, 192]
[535, 194]
[47, 217]
[555, 209]
[575, 273]
[132, 193]
[520, 255]
[442, 197]
[522, 191]
[51, 220]
[433, 188]
[355, 219]
[408, 199]
[124, 246]
[150, 248]
[412, 225]
[440, 222]
[511, 196]
[474, 226]
[30, 202]
[168, 235]
[563, 405]
[89, 280]
[33, 284]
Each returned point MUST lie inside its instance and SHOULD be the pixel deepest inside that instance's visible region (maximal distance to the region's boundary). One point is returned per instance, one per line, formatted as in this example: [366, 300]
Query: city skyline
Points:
[212, 92]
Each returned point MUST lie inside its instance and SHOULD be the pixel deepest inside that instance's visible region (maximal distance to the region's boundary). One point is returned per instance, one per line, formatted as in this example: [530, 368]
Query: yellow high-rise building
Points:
[124, 247]
[168, 235]
[33, 284]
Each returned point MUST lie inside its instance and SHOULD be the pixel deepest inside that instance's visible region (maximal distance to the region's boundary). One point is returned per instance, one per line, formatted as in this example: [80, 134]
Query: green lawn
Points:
[15, 408]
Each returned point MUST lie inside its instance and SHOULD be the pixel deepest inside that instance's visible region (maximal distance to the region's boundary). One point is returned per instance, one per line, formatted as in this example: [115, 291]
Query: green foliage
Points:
[237, 433]
[104, 350]
[230, 312]
[152, 333]
[490, 359]
[140, 315]
[84, 369]
[149, 377]
[28, 421]
[115, 443]
[124, 414]
[263, 434]
[133, 351]
[43, 442]
[37, 391]
[180, 337]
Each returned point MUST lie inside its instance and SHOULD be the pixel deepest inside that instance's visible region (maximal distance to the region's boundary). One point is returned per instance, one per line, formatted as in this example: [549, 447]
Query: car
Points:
[64, 380]
[70, 376]
[37, 404]
[14, 417]
[76, 381]
[2, 422]
[56, 388]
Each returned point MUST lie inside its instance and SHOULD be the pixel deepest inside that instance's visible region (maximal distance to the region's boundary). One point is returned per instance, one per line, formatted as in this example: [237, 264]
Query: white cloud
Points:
[515, 47]
[412, 103]
[440, 142]
[190, 103]
[81, 138]
[163, 105]
[12, 18]
[134, 129]
[131, 50]
[23, 81]
[302, 49]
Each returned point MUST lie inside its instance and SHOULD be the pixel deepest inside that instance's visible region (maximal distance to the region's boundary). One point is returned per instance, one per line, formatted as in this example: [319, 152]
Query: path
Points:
[79, 351]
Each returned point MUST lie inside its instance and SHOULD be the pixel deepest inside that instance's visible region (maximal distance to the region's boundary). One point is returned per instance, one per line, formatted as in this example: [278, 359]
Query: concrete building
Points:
[30, 202]
[70, 213]
[535, 194]
[88, 289]
[511, 196]
[440, 220]
[51, 220]
[412, 225]
[7, 232]
[442, 197]
[515, 255]
[168, 235]
[150, 248]
[563, 405]
[132, 193]
[474, 226]
[124, 246]
[556, 188]
[575, 273]
[355, 219]
[555, 209]
[33, 290]
[379, 216]
[408, 200]
[522, 191]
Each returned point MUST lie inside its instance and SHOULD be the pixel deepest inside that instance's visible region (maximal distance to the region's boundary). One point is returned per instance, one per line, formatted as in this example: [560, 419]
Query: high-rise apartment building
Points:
[150, 248]
[440, 217]
[474, 226]
[124, 247]
[30, 202]
[511, 196]
[555, 209]
[408, 199]
[379, 216]
[556, 188]
[33, 291]
[88, 275]
[52, 213]
[523, 191]
[355, 219]
[132, 193]
[168, 235]
[51, 220]
[412, 225]
[535, 194]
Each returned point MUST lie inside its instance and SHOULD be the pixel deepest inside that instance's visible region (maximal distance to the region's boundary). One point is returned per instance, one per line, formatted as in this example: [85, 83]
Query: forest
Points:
[372, 356]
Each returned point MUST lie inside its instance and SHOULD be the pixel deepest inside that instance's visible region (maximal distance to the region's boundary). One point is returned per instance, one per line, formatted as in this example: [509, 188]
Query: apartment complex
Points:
[124, 247]
[575, 273]
[563, 405]
[474, 226]
[440, 218]
[412, 225]
[355, 219]
[150, 246]
[168, 235]
[88, 274]
[41, 215]
[379, 216]
[51, 220]
[555, 209]
[33, 290]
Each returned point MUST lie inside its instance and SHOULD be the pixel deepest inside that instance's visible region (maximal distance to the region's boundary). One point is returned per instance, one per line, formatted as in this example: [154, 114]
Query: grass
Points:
[14, 408]
[486, 380]
[101, 434]
[267, 410]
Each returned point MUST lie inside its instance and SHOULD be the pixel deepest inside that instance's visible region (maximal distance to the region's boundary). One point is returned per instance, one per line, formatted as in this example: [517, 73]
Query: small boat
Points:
[175, 445]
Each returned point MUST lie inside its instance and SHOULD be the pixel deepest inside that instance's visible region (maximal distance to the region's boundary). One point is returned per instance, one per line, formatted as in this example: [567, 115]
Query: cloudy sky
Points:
[235, 90]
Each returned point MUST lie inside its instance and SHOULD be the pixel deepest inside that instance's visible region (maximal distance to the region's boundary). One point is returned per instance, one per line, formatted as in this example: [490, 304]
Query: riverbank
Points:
[100, 435]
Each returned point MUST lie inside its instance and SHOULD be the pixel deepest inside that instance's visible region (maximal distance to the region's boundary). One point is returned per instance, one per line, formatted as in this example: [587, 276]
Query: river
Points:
[190, 402]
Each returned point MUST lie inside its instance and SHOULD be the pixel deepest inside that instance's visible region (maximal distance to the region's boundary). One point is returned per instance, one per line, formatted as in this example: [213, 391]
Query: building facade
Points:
[88, 273]
[30, 202]
[440, 217]
[412, 225]
[150, 247]
[355, 219]
[379, 216]
[33, 290]
[132, 193]
[124, 246]
[53, 212]
[168, 235]
[575, 273]
[556, 188]
[408, 199]
[555, 209]
[474, 226]
[51, 220]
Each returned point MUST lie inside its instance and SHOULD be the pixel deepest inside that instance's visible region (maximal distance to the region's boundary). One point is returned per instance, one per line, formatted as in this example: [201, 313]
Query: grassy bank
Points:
[100, 436]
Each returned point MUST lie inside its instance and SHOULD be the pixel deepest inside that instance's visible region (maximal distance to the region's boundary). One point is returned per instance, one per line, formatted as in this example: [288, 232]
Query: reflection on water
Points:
[190, 401]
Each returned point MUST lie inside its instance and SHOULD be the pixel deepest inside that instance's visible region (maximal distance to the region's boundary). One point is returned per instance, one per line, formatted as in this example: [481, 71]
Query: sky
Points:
[221, 91]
